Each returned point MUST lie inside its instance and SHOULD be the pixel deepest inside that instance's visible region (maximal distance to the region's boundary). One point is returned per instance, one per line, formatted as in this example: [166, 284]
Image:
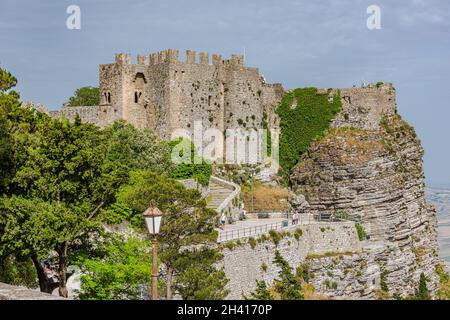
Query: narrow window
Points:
[209, 101]
[136, 98]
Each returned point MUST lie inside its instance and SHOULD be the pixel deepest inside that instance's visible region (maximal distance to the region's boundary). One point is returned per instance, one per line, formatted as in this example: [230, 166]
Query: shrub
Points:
[383, 284]
[229, 245]
[423, 293]
[379, 84]
[252, 242]
[264, 267]
[361, 232]
[275, 236]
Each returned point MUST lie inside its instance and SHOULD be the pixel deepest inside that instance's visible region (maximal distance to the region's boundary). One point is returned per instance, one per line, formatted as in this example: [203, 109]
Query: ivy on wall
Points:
[305, 115]
[197, 168]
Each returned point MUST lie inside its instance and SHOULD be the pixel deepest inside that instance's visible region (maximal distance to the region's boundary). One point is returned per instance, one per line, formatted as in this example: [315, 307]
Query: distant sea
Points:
[440, 198]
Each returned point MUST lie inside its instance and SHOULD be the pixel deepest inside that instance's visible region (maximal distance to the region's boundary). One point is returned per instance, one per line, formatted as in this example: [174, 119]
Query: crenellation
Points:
[237, 60]
[204, 57]
[162, 56]
[142, 60]
[190, 56]
[172, 55]
[217, 60]
[123, 58]
[153, 58]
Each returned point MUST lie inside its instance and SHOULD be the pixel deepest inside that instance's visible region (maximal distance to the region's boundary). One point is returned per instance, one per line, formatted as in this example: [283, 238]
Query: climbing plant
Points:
[305, 115]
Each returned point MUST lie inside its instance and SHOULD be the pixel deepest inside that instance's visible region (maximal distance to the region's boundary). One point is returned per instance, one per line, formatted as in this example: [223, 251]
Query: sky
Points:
[299, 43]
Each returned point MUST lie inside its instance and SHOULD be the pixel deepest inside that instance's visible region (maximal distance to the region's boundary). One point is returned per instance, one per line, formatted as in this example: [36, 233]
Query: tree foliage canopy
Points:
[85, 96]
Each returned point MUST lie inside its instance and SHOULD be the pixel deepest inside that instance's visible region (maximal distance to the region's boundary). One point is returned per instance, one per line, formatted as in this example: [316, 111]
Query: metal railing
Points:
[251, 231]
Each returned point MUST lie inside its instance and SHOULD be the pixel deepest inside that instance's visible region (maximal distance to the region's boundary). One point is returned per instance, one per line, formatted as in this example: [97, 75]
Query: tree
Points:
[286, 287]
[18, 271]
[197, 277]
[423, 293]
[85, 96]
[33, 228]
[193, 166]
[9, 100]
[60, 171]
[187, 224]
[261, 292]
[119, 270]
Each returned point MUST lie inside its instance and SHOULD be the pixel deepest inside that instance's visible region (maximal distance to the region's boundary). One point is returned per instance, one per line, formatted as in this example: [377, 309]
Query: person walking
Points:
[222, 221]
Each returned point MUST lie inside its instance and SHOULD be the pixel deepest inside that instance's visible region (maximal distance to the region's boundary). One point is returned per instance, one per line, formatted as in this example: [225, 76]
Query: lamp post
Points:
[153, 217]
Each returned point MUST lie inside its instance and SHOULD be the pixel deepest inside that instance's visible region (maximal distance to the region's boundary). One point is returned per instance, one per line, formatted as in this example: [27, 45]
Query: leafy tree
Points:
[187, 223]
[197, 277]
[17, 270]
[60, 171]
[9, 99]
[85, 96]
[33, 228]
[192, 166]
[423, 293]
[119, 270]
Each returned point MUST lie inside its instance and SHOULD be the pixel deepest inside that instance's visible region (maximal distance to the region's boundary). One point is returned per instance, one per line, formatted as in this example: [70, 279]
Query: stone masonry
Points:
[162, 93]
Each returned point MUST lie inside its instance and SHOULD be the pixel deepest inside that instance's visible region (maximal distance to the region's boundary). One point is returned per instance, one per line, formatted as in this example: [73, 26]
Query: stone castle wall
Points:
[164, 94]
[243, 264]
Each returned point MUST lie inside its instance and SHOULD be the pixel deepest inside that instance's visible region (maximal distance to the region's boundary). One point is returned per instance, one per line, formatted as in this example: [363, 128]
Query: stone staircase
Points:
[223, 197]
[217, 195]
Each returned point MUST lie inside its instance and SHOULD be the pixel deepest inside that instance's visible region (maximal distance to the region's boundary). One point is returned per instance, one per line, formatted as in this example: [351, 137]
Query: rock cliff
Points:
[370, 171]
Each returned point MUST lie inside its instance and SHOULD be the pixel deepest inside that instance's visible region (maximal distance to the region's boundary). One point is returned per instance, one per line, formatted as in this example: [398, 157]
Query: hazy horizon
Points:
[297, 43]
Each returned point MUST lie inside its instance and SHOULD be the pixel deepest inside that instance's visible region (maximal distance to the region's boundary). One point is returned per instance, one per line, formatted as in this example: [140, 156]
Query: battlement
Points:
[173, 56]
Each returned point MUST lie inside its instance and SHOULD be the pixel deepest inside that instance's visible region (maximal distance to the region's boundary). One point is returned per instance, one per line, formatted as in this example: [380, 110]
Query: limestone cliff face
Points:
[373, 174]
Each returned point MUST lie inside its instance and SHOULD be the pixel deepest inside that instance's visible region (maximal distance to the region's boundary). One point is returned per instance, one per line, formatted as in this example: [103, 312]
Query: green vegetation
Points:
[275, 236]
[379, 84]
[252, 242]
[422, 292]
[119, 269]
[85, 96]
[444, 283]
[383, 284]
[303, 272]
[302, 123]
[361, 232]
[61, 181]
[261, 292]
[268, 137]
[192, 166]
[286, 287]
[264, 267]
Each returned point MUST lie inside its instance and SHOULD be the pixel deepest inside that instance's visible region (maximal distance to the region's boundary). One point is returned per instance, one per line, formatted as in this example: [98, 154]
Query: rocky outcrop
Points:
[8, 292]
[373, 175]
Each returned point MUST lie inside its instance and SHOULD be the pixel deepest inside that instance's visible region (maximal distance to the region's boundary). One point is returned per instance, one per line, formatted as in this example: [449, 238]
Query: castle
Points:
[163, 94]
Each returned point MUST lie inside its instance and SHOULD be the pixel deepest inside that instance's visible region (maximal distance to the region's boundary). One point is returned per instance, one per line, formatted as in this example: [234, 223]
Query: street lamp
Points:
[153, 217]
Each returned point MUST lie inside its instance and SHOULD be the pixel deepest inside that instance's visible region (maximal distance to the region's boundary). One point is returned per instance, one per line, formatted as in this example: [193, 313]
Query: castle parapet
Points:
[142, 60]
[190, 56]
[237, 60]
[123, 58]
[216, 59]
[204, 58]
